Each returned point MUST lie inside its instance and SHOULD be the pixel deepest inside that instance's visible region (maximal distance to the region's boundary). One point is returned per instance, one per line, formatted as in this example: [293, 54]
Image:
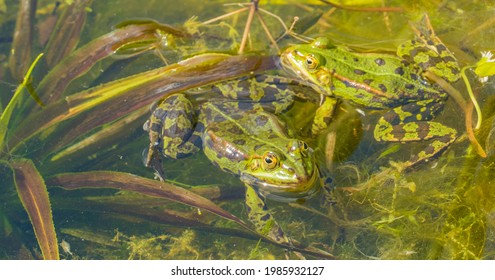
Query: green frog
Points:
[393, 82]
[236, 126]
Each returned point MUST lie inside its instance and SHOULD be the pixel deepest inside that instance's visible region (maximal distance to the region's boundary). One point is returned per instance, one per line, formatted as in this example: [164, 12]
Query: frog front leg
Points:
[324, 114]
[171, 129]
[412, 122]
[261, 218]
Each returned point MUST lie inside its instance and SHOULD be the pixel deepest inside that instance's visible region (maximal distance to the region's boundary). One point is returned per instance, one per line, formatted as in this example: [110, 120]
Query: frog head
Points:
[307, 61]
[284, 174]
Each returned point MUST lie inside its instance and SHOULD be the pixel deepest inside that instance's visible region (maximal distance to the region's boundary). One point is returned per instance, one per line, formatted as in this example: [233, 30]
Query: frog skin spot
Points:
[382, 87]
[239, 142]
[261, 120]
[272, 136]
[359, 72]
[380, 61]
[399, 71]
[257, 147]
[155, 127]
[265, 217]
[423, 131]
[235, 130]
[409, 86]
[441, 48]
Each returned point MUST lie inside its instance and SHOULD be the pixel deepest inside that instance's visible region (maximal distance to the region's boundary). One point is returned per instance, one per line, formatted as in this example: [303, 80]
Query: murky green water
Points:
[86, 143]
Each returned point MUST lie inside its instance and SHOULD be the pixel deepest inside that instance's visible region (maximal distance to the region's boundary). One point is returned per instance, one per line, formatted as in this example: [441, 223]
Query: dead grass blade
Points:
[34, 197]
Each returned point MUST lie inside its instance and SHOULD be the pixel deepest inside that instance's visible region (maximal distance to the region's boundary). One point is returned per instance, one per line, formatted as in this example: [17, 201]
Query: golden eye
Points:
[311, 62]
[270, 161]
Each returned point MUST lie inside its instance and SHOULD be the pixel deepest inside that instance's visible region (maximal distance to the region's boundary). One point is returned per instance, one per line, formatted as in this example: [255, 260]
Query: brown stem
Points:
[245, 35]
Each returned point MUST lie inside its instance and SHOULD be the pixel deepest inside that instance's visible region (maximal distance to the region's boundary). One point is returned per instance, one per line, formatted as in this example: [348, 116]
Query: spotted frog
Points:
[237, 128]
[395, 83]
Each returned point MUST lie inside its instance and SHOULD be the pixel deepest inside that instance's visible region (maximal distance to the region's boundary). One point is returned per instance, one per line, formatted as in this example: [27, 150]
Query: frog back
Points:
[368, 79]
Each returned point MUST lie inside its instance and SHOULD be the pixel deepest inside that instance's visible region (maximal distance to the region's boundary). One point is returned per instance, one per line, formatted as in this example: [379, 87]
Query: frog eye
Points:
[270, 161]
[311, 62]
[303, 147]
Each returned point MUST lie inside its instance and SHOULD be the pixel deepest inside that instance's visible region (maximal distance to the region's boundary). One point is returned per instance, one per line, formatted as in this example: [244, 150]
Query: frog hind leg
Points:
[273, 94]
[171, 131]
[412, 122]
[429, 53]
[434, 58]
[261, 218]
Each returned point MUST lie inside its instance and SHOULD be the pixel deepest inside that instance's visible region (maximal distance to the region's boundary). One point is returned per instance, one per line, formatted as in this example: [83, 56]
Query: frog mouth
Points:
[302, 187]
[288, 63]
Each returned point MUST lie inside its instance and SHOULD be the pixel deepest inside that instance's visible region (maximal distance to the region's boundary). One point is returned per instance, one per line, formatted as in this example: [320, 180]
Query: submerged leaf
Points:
[67, 32]
[107, 134]
[130, 182]
[34, 196]
[20, 53]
